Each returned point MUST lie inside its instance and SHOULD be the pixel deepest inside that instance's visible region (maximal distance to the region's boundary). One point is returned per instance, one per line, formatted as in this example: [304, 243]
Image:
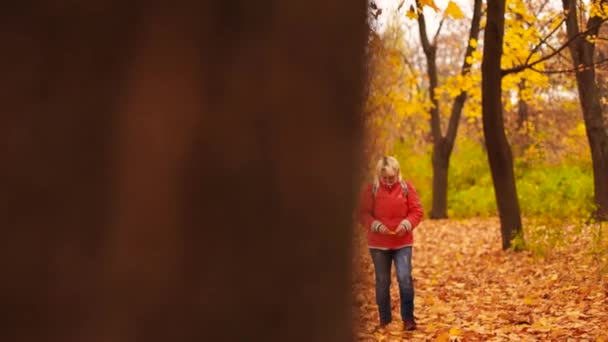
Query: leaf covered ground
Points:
[468, 289]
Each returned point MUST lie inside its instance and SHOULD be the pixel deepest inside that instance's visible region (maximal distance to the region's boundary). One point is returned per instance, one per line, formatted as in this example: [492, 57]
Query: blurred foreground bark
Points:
[178, 173]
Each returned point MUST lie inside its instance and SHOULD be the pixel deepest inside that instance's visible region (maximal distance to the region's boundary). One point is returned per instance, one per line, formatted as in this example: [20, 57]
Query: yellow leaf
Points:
[395, 60]
[454, 11]
[430, 3]
[411, 13]
[469, 60]
[454, 332]
[473, 43]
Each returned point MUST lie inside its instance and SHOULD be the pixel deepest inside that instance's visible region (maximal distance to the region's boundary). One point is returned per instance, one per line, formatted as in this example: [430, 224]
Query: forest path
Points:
[468, 289]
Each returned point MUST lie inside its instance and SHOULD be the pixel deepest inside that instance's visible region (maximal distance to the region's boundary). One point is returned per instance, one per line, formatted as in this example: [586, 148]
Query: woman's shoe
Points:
[409, 324]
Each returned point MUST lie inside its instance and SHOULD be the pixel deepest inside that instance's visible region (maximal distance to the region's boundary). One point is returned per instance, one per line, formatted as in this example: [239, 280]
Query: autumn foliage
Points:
[556, 288]
[543, 119]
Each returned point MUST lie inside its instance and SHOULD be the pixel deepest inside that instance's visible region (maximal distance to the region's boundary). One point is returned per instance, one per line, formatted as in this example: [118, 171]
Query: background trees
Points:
[555, 171]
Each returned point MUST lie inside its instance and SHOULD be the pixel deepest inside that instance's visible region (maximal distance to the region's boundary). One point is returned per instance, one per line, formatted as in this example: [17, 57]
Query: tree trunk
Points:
[597, 134]
[441, 163]
[158, 175]
[522, 107]
[499, 151]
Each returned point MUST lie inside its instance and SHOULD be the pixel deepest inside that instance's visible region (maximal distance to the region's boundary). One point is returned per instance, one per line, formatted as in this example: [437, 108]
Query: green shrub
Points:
[563, 191]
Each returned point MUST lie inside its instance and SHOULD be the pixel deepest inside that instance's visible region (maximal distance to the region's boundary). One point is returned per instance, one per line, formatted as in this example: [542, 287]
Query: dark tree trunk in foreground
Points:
[499, 150]
[158, 175]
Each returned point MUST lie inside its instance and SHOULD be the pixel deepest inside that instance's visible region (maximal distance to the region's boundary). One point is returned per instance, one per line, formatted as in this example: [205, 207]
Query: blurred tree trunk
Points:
[162, 174]
[582, 51]
[497, 145]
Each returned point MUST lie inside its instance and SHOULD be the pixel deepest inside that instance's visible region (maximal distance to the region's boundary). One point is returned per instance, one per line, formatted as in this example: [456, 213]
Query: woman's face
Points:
[388, 178]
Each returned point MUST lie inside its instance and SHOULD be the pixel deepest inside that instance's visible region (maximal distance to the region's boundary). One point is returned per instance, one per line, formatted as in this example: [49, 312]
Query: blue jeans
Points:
[383, 260]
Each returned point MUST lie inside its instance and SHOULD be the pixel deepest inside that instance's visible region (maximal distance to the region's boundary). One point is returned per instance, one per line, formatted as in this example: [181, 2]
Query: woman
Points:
[390, 210]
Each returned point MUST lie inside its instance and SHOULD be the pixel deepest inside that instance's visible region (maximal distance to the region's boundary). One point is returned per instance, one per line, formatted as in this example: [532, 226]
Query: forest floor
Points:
[468, 289]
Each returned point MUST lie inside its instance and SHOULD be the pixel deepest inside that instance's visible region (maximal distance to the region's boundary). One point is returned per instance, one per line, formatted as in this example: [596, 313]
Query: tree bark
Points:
[444, 144]
[582, 51]
[499, 150]
[522, 107]
[161, 172]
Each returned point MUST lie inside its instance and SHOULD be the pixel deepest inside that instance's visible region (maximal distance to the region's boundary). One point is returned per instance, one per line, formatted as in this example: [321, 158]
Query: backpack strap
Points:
[406, 191]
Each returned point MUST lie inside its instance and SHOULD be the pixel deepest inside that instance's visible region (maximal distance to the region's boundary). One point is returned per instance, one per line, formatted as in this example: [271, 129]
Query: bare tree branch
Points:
[431, 66]
[566, 71]
[522, 67]
[559, 53]
[459, 101]
[438, 31]
[426, 45]
[544, 40]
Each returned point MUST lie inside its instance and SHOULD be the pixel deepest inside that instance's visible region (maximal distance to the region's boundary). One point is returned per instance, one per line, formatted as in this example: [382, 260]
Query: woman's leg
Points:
[403, 264]
[382, 267]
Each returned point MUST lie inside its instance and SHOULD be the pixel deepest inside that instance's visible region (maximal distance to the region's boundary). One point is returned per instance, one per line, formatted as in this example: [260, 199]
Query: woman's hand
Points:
[383, 230]
[400, 231]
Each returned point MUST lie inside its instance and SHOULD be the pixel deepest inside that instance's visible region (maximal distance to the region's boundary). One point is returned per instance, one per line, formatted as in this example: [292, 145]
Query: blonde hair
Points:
[388, 164]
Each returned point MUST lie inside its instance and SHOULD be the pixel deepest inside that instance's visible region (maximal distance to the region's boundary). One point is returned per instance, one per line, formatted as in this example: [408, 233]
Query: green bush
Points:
[560, 191]
[563, 191]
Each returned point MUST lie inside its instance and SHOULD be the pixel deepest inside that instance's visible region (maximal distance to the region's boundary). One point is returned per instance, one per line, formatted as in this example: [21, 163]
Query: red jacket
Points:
[390, 208]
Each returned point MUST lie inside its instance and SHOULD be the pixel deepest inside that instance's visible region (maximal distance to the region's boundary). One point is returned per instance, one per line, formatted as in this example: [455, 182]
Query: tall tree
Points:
[394, 98]
[582, 48]
[497, 145]
[443, 143]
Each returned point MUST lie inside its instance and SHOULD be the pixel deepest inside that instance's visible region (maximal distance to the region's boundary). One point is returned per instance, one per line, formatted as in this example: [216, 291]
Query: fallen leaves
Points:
[467, 289]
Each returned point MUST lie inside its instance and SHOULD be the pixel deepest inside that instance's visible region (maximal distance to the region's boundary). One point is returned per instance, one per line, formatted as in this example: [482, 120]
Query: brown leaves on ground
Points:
[467, 289]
